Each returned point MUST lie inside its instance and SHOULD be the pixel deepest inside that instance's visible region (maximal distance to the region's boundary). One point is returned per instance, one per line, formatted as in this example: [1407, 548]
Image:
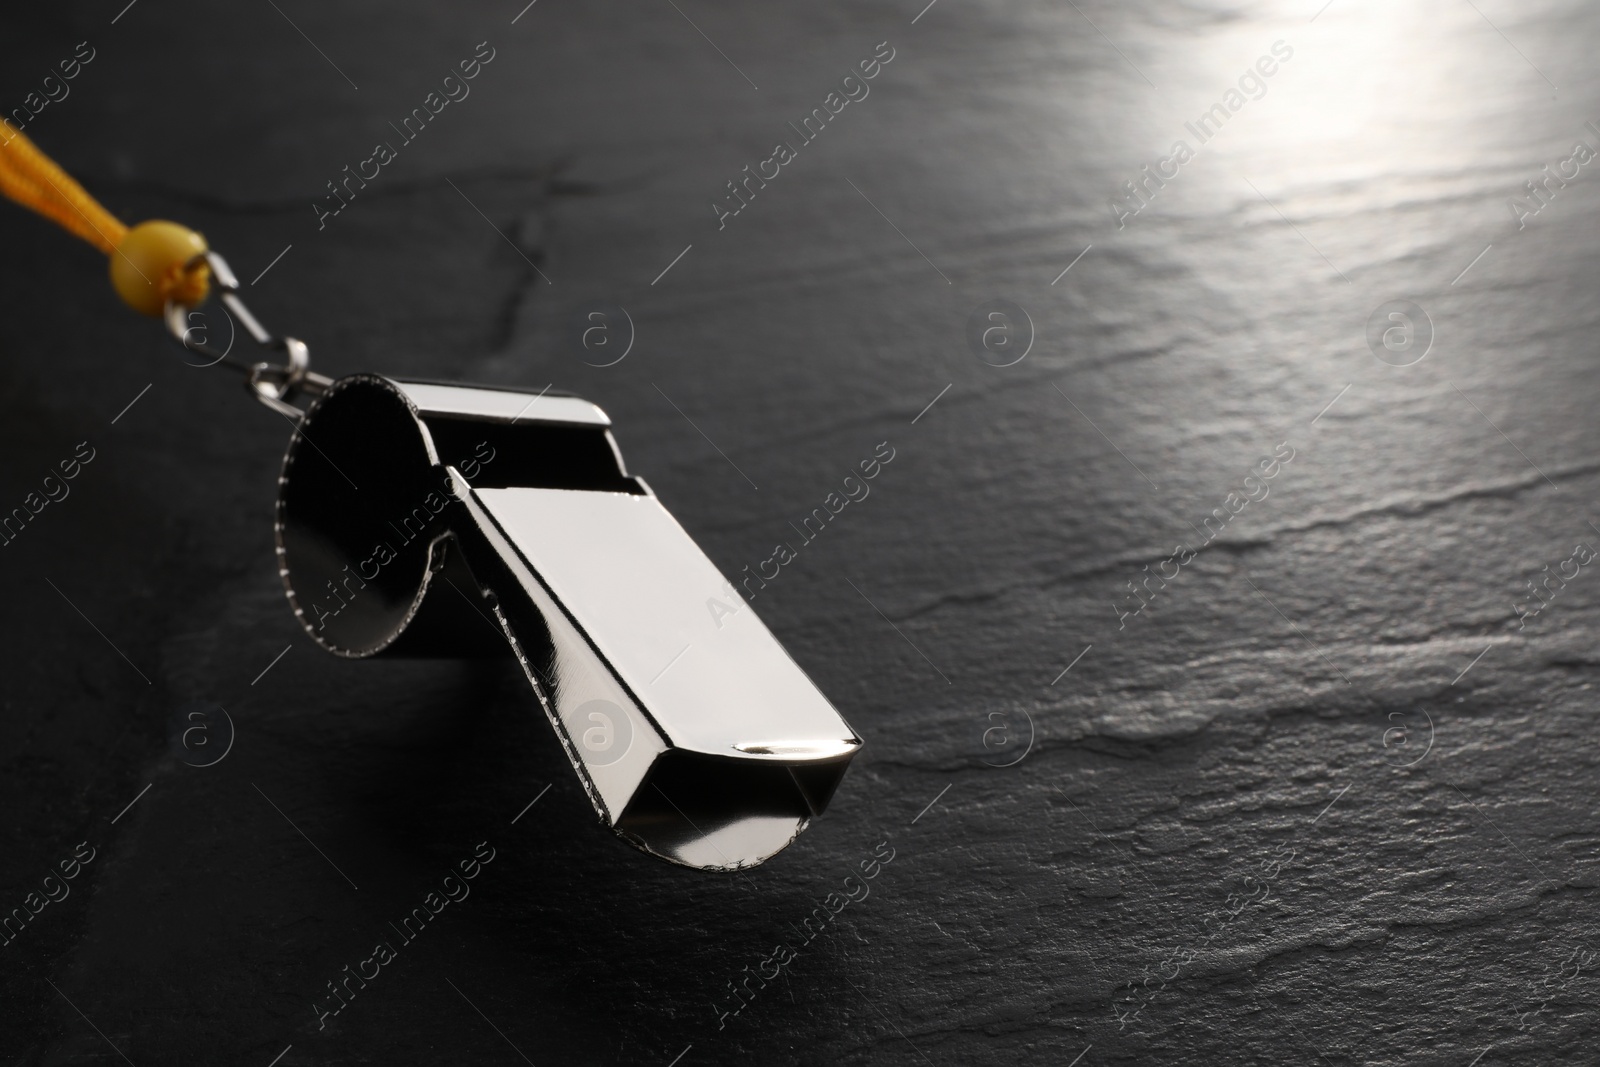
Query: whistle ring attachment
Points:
[424, 520]
[276, 385]
[272, 385]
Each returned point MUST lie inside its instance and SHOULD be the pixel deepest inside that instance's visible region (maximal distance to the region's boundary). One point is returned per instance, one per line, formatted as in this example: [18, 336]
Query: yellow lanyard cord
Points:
[151, 264]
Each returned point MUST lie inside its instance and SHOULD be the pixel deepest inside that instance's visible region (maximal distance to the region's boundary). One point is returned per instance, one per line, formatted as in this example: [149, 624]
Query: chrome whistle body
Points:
[415, 518]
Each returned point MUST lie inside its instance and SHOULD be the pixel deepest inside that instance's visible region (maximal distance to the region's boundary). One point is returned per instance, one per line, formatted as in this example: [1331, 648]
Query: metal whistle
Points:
[414, 518]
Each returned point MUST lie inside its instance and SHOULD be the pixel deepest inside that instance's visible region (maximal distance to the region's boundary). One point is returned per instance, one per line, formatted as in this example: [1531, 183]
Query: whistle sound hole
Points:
[356, 514]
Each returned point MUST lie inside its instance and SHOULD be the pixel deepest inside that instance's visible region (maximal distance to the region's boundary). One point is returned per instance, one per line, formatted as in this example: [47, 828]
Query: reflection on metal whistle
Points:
[414, 517]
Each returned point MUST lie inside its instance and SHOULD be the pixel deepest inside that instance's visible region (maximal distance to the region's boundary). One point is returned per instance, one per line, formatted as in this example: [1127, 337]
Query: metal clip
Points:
[275, 385]
[425, 519]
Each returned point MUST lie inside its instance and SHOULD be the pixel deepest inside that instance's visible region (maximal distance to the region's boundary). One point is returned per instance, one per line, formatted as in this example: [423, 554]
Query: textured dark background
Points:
[1441, 909]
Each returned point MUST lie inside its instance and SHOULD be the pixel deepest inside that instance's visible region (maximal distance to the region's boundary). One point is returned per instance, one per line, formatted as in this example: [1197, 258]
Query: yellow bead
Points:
[151, 266]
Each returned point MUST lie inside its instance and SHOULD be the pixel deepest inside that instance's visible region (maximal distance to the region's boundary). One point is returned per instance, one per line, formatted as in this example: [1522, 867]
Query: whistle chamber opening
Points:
[725, 813]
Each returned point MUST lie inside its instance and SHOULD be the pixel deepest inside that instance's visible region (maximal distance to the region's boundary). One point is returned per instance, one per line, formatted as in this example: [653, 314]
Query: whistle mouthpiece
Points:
[423, 519]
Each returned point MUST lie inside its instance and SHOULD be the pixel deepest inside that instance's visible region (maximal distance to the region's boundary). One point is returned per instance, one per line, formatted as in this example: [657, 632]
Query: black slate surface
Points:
[1324, 800]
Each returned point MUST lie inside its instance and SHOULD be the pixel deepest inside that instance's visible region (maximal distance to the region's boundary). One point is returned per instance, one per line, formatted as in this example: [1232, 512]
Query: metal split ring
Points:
[274, 384]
